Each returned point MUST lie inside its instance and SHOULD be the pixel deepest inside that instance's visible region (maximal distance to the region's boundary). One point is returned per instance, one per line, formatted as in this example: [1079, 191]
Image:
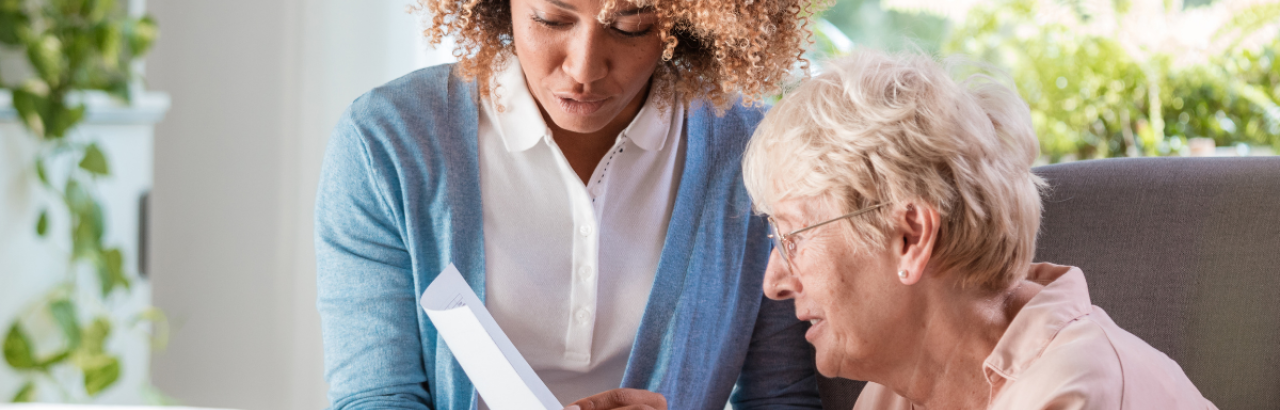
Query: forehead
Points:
[604, 10]
[593, 5]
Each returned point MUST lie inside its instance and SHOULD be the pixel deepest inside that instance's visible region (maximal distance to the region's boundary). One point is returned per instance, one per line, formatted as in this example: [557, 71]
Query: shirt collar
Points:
[1064, 298]
[521, 125]
[652, 126]
[519, 120]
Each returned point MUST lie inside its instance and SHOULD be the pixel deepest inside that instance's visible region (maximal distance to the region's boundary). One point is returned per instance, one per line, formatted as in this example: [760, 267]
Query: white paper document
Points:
[501, 375]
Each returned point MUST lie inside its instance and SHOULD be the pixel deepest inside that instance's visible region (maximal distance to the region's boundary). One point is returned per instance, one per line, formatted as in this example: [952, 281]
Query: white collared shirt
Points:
[568, 267]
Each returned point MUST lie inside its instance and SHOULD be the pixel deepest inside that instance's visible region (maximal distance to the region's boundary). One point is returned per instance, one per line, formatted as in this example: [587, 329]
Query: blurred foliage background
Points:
[1104, 78]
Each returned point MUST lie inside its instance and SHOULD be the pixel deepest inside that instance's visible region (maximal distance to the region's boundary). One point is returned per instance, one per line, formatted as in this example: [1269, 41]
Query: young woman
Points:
[579, 166]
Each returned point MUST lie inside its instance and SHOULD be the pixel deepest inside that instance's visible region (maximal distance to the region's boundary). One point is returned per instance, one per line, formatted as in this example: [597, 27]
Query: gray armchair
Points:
[1182, 252]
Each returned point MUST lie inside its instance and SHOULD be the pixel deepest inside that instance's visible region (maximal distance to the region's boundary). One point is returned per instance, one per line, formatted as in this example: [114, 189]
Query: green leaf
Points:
[17, 349]
[32, 108]
[98, 9]
[119, 88]
[42, 224]
[111, 271]
[40, 173]
[95, 337]
[142, 35]
[85, 240]
[63, 119]
[47, 57]
[94, 161]
[77, 199]
[87, 221]
[55, 359]
[100, 369]
[11, 26]
[103, 372]
[109, 40]
[64, 312]
[27, 394]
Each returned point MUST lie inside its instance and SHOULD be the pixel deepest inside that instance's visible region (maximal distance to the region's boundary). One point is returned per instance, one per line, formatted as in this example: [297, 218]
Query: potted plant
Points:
[71, 47]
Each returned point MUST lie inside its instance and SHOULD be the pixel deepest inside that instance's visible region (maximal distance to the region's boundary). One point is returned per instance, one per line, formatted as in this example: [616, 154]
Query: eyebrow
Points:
[623, 13]
[635, 11]
[563, 5]
[780, 217]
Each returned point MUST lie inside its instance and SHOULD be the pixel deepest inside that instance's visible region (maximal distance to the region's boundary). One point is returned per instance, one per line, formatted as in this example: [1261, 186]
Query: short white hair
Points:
[877, 128]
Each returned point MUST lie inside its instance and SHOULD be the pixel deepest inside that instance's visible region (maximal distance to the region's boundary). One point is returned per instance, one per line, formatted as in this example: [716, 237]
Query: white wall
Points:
[256, 87]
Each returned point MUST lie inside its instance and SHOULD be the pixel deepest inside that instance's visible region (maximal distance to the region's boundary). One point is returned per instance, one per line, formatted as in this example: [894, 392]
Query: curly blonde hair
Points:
[714, 50]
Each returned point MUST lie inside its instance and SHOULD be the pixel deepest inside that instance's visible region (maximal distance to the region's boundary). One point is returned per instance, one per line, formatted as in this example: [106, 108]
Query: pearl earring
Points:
[902, 274]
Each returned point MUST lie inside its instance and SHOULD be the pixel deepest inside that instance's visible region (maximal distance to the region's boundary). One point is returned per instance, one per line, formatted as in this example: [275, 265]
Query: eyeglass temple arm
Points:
[848, 215]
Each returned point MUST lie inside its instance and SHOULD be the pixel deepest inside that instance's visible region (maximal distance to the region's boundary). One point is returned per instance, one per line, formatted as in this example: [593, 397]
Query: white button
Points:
[597, 190]
[584, 273]
[582, 315]
[585, 230]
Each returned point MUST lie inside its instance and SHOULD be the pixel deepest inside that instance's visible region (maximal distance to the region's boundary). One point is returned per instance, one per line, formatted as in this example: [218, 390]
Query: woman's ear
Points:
[918, 231]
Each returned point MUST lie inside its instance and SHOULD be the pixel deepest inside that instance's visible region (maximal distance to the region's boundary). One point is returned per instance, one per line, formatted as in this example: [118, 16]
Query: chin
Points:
[581, 124]
[827, 367]
[827, 372]
[838, 363]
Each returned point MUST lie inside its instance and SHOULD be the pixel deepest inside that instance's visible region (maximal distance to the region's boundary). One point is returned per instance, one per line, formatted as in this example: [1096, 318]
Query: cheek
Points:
[835, 295]
[536, 49]
[639, 58]
[850, 294]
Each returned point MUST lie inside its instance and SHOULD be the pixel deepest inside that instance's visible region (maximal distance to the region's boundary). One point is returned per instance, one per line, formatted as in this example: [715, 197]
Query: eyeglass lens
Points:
[779, 242]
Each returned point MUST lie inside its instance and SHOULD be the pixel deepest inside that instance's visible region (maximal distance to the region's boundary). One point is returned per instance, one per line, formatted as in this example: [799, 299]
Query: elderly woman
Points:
[905, 215]
[575, 166]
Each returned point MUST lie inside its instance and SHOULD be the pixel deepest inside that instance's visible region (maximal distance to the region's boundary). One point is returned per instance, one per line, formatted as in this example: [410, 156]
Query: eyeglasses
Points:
[786, 243]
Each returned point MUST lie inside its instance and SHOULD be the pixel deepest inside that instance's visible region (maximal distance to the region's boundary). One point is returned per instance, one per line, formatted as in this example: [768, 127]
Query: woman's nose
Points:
[586, 60]
[779, 283]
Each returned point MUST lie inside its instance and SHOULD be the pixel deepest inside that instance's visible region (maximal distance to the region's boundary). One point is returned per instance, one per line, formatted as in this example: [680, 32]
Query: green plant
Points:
[1096, 90]
[1087, 95]
[73, 46]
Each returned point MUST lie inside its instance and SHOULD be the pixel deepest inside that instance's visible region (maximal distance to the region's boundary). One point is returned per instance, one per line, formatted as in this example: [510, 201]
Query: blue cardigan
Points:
[399, 199]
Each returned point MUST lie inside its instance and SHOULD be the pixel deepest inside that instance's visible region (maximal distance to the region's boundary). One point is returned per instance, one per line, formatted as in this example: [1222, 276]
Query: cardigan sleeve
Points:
[779, 371]
[373, 353]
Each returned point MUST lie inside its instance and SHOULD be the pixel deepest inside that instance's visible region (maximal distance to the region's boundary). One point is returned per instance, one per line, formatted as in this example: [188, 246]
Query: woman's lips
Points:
[815, 327]
[580, 105]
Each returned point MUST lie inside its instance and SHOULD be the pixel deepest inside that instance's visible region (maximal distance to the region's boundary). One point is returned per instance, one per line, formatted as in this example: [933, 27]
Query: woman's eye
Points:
[549, 23]
[633, 25]
[632, 31]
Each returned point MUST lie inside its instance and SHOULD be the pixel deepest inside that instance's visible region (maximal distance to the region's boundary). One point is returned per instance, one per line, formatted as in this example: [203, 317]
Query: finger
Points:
[619, 398]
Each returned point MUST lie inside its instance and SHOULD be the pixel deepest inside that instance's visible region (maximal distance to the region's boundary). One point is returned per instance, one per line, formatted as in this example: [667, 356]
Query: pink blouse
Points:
[1061, 352]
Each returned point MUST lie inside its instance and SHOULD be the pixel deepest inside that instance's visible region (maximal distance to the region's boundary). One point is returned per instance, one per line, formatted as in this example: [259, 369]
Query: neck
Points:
[961, 328]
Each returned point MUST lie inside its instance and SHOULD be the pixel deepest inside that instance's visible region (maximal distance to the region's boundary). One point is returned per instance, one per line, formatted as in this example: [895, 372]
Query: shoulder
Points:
[1079, 368]
[1151, 379]
[411, 129]
[1095, 363]
[736, 122]
[432, 95]
[426, 110]
[720, 137]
